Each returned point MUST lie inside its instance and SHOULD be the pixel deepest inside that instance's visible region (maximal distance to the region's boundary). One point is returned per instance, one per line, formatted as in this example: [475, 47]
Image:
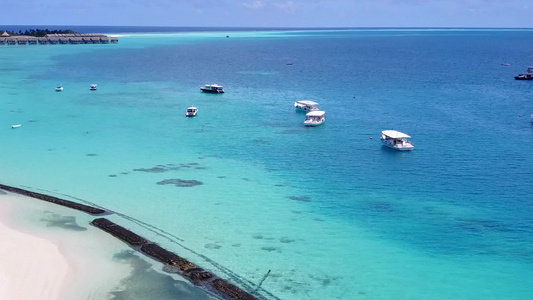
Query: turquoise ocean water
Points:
[328, 210]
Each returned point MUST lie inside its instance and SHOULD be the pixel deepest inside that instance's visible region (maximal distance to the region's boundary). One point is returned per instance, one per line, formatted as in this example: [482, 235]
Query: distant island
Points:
[46, 36]
[39, 32]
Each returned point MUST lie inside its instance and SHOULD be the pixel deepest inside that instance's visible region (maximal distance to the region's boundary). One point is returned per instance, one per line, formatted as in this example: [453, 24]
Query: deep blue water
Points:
[464, 193]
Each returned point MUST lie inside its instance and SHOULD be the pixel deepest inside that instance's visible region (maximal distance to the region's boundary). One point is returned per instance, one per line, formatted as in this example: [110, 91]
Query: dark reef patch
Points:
[152, 170]
[300, 198]
[270, 249]
[381, 206]
[481, 225]
[112, 175]
[286, 240]
[91, 154]
[180, 182]
[212, 246]
[170, 167]
[65, 222]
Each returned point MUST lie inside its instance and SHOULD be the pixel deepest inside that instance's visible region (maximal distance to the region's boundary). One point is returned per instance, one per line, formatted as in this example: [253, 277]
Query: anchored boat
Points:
[212, 88]
[396, 140]
[526, 76]
[191, 111]
[315, 118]
[306, 105]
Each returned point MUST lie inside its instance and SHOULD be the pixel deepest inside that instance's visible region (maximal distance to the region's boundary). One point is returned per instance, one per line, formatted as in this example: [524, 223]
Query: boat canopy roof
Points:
[213, 85]
[192, 107]
[317, 113]
[395, 134]
[307, 102]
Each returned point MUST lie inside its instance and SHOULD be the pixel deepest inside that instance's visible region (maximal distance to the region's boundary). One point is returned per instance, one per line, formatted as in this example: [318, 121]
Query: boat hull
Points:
[211, 91]
[524, 77]
[314, 124]
[388, 145]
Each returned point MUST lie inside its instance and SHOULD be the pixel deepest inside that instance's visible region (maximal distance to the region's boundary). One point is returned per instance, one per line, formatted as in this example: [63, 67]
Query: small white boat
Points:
[59, 88]
[306, 105]
[396, 140]
[191, 111]
[93, 87]
[212, 88]
[315, 118]
[16, 126]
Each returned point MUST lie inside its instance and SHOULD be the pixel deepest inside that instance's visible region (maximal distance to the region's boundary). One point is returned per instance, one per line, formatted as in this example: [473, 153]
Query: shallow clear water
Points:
[330, 212]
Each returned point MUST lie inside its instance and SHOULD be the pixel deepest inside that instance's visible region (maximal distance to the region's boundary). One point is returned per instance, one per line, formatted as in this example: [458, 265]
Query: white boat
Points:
[16, 126]
[59, 88]
[396, 140]
[93, 87]
[315, 118]
[306, 105]
[191, 111]
[212, 88]
[527, 76]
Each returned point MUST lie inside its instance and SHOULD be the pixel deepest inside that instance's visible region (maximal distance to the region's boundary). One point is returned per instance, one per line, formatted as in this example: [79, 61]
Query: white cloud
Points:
[288, 6]
[254, 5]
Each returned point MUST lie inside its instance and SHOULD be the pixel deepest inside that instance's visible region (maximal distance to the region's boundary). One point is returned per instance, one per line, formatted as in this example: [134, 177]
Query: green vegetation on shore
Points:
[38, 32]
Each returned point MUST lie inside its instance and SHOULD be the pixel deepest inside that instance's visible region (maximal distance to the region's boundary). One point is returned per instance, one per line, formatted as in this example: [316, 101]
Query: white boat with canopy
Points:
[191, 111]
[93, 87]
[396, 140]
[306, 105]
[315, 118]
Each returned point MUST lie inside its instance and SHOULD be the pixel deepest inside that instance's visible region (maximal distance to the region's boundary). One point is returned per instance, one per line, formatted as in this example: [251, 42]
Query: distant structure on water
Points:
[71, 38]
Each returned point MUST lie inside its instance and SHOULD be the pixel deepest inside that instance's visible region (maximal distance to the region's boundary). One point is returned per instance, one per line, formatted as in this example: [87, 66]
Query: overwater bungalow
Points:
[76, 40]
[11, 40]
[22, 40]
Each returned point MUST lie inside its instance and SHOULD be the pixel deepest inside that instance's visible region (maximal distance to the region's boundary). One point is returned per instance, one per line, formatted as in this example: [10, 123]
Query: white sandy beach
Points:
[53, 263]
[26, 273]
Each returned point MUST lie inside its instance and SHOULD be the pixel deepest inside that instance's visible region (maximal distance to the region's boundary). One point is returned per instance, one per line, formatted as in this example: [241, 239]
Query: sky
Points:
[270, 13]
